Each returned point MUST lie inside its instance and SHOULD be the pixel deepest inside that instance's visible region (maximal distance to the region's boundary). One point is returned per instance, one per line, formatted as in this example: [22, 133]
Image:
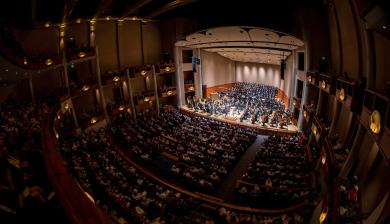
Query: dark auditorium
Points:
[195, 112]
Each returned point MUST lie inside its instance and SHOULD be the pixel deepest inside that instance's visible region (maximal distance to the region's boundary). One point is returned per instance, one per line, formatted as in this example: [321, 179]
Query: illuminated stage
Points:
[232, 118]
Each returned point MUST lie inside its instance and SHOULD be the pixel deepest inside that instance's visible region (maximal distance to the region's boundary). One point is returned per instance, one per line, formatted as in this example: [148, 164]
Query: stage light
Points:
[48, 62]
[85, 88]
[143, 72]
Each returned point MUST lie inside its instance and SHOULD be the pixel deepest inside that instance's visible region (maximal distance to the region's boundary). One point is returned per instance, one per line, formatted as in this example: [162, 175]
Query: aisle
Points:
[225, 191]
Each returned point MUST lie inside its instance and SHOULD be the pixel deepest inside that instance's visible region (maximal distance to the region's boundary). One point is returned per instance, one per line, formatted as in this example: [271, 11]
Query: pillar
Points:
[131, 95]
[103, 100]
[180, 91]
[155, 89]
[30, 83]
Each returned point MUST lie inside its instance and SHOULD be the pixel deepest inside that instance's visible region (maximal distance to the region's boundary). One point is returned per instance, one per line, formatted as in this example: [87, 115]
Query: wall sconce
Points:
[191, 88]
[167, 69]
[116, 78]
[294, 103]
[375, 122]
[323, 215]
[25, 61]
[78, 20]
[93, 120]
[81, 54]
[143, 72]
[323, 159]
[314, 129]
[323, 84]
[121, 107]
[85, 88]
[146, 99]
[305, 114]
[169, 93]
[47, 24]
[48, 62]
[309, 78]
[342, 95]
[66, 106]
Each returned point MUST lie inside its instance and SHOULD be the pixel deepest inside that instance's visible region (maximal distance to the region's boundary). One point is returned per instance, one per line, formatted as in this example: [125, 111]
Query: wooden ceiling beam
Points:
[134, 7]
[170, 6]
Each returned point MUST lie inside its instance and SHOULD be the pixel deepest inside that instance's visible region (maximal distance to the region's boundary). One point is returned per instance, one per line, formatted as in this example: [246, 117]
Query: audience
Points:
[205, 148]
[278, 176]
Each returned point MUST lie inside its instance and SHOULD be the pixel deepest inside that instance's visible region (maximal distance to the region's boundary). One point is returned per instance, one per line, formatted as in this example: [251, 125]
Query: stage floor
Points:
[231, 119]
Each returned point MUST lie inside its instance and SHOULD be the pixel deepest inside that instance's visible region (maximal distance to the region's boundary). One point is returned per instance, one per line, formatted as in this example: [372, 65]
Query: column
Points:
[131, 95]
[103, 100]
[155, 89]
[180, 93]
[336, 115]
[198, 75]
[30, 83]
[320, 102]
[66, 75]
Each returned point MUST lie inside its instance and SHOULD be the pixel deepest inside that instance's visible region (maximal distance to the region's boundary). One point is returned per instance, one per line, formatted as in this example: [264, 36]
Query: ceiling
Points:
[276, 14]
[242, 43]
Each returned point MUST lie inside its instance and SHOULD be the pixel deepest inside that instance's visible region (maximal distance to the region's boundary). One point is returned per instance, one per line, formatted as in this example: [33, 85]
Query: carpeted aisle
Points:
[225, 191]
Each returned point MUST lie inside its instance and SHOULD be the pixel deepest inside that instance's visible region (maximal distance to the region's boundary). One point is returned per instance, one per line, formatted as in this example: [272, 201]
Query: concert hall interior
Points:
[195, 111]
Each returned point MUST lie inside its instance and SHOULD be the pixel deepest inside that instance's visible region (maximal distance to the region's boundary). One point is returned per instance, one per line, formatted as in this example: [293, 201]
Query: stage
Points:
[233, 119]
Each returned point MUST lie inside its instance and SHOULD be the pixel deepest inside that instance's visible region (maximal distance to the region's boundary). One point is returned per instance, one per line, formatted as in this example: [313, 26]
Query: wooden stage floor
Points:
[291, 129]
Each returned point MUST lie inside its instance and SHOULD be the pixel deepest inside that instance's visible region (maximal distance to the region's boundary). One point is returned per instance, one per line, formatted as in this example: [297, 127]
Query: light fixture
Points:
[66, 106]
[89, 197]
[294, 103]
[314, 129]
[81, 54]
[167, 69]
[169, 93]
[47, 24]
[323, 215]
[121, 107]
[305, 114]
[323, 84]
[384, 27]
[309, 78]
[92, 21]
[146, 99]
[25, 61]
[62, 25]
[93, 120]
[58, 116]
[143, 72]
[85, 88]
[323, 159]
[48, 62]
[342, 95]
[191, 88]
[116, 78]
[108, 17]
[375, 122]
[78, 20]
